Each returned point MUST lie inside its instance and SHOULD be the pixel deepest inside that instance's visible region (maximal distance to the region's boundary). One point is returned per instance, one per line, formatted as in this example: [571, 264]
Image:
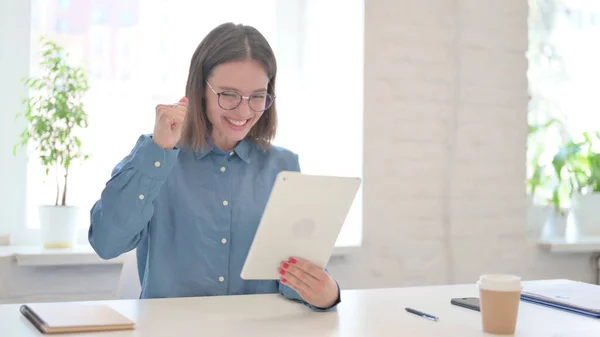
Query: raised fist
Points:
[168, 123]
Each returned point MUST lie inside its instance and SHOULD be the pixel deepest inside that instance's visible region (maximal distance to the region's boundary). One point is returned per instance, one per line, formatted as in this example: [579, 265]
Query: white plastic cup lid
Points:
[500, 282]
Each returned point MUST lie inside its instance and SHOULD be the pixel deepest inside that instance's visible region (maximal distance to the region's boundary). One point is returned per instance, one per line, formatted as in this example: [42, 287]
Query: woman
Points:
[190, 196]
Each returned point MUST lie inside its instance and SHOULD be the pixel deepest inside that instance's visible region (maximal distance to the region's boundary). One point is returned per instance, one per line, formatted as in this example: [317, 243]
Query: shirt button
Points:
[221, 279]
[223, 241]
[231, 153]
[141, 196]
[157, 164]
[223, 169]
[225, 202]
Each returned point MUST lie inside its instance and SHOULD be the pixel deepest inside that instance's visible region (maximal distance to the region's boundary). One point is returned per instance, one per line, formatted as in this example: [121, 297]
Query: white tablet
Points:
[303, 217]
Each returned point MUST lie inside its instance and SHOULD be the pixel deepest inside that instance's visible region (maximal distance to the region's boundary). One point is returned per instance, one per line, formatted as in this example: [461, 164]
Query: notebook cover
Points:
[52, 318]
[581, 296]
[560, 307]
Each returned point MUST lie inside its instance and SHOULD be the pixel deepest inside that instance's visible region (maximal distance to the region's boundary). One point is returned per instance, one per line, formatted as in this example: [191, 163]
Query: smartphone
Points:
[466, 302]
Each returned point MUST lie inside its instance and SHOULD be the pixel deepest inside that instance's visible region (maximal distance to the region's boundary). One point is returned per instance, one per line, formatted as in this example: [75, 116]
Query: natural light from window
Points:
[563, 76]
[138, 56]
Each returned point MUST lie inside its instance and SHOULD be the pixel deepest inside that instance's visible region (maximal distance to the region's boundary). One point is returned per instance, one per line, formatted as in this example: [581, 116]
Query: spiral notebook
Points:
[578, 297]
[53, 318]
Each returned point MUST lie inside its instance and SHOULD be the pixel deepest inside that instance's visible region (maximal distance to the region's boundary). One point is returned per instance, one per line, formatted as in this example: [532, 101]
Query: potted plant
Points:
[54, 113]
[540, 217]
[577, 165]
[538, 176]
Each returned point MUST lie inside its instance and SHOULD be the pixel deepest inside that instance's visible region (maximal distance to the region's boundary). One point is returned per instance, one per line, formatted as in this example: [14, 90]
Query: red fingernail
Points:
[281, 271]
[285, 265]
[292, 260]
[283, 280]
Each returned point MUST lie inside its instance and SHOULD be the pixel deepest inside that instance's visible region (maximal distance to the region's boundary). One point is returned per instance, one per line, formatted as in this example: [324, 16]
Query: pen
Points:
[422, 314]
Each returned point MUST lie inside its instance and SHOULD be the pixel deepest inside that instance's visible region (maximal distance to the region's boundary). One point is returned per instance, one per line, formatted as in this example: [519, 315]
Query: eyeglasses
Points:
[229, 100]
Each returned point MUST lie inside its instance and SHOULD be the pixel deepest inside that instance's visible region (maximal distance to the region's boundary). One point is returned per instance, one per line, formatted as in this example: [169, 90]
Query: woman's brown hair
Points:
[226, 43]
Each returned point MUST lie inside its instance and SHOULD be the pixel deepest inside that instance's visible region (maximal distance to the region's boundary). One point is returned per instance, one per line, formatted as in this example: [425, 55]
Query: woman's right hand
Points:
[168, 123]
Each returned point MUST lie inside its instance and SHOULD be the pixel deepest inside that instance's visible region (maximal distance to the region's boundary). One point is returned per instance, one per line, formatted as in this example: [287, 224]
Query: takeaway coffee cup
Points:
[499, 298]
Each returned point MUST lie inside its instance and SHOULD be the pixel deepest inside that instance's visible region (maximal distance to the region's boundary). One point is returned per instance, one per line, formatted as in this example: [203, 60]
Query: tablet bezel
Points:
[298, 192]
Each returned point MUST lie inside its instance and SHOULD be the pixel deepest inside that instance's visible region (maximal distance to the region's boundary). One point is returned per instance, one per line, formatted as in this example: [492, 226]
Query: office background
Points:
[438, 131]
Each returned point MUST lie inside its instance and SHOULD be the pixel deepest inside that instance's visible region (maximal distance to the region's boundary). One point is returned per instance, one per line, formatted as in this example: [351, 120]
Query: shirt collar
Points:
[242, 150]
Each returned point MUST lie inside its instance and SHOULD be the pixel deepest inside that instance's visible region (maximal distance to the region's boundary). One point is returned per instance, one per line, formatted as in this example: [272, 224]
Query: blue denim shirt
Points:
[191, 215]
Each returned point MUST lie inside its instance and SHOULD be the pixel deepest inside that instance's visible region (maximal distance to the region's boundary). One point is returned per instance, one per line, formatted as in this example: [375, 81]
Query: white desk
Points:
[370, 313]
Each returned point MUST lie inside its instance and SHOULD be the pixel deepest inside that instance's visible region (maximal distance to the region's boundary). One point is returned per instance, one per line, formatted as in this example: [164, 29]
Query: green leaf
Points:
[54, 110]
[533, 128]
[556, 198]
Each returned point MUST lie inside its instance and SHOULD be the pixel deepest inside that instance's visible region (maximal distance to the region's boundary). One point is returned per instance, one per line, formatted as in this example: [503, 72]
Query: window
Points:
[64, 4]
[127, 18]
[320, 60]
[36, 9]
[563, 71]
[99, 15]
[62, 26]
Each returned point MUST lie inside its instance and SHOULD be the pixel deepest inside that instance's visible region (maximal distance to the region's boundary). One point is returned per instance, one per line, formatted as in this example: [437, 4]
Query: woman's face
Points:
[245, 78]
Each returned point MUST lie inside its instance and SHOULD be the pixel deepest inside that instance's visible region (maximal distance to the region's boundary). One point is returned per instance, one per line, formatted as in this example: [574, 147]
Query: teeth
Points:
[237, 122]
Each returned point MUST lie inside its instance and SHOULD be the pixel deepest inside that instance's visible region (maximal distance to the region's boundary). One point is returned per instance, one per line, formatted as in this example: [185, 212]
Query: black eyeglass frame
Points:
[248, 98]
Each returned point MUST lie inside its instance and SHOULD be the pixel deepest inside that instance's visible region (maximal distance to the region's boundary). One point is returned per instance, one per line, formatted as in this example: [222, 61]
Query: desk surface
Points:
[376, 312]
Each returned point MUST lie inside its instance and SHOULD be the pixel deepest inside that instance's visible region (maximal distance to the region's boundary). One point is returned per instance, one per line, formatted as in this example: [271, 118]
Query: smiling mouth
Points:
[237, 122]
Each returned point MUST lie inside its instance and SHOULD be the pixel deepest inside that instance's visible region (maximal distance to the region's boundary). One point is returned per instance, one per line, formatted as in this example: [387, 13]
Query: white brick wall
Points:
[445, 128]
[445, 134]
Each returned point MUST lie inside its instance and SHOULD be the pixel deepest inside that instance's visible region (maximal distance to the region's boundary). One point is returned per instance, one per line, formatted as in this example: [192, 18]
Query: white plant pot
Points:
[585, 210]
[555, 225]
[58, 226]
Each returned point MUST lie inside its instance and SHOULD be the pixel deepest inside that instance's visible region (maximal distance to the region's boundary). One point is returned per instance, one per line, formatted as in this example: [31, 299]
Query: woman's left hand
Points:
[312, 283]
